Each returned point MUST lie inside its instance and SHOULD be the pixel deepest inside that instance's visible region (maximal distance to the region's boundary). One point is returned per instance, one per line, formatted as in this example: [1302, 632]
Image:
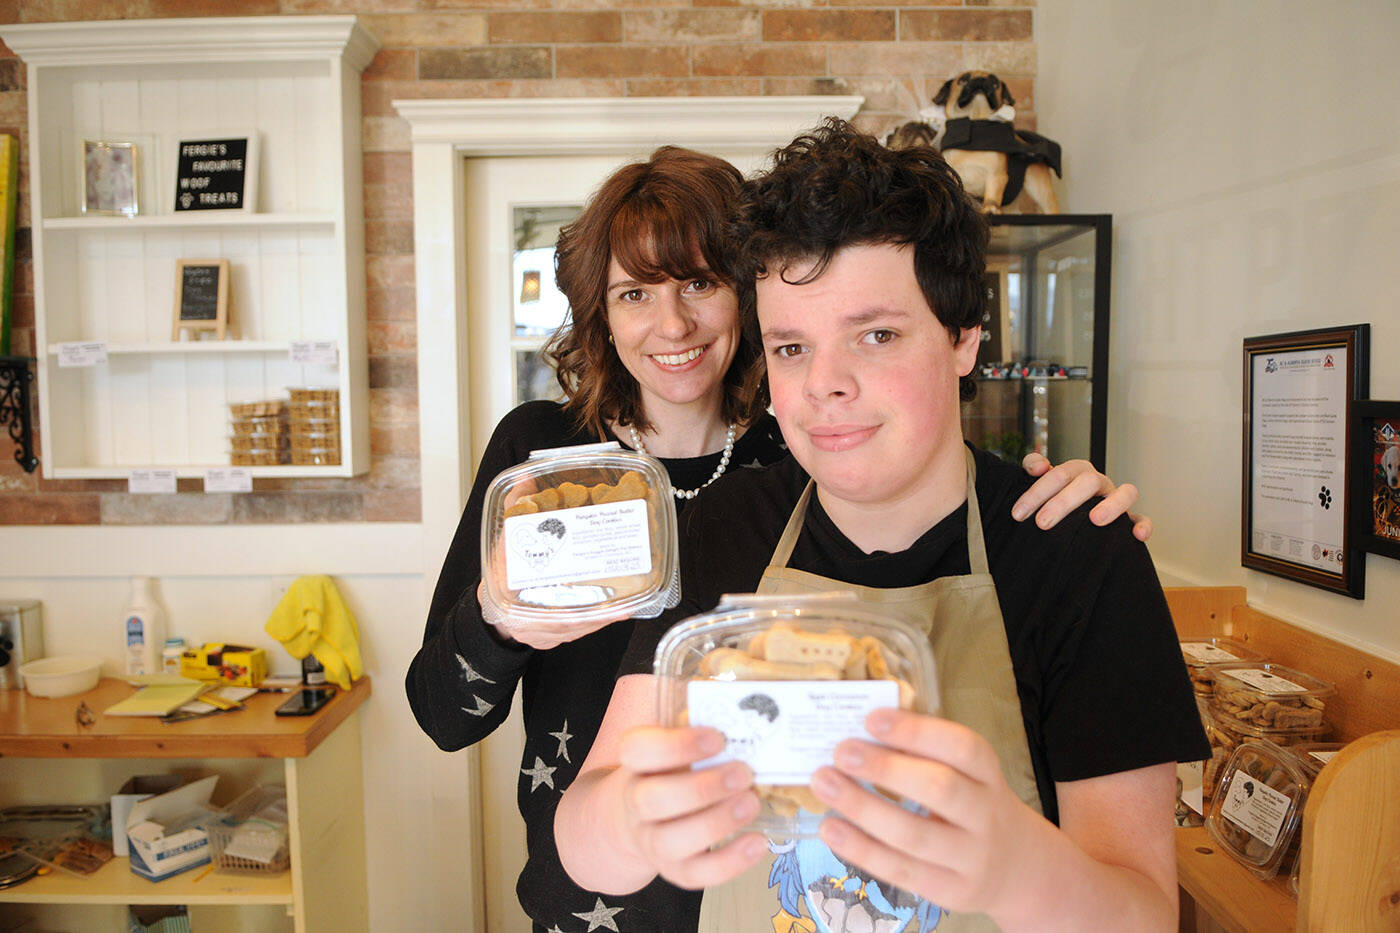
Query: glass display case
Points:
[1042, 373]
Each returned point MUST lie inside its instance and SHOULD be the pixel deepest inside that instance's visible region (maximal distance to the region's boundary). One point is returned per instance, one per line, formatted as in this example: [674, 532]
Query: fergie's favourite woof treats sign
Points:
[216, 174]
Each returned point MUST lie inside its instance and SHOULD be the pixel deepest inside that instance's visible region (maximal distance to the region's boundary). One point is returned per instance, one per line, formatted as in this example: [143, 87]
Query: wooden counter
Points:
[35, 727]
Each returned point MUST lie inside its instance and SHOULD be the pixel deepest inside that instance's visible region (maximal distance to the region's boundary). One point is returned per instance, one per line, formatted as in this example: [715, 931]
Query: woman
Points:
[653, 359]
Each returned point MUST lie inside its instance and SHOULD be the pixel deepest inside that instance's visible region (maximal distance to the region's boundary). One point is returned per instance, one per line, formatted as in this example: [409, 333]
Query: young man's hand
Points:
[968, 852]
[1064, 488]
[677, 815]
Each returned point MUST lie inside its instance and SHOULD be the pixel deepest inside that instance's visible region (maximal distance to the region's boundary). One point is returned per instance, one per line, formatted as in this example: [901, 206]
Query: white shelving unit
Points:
[297, 260]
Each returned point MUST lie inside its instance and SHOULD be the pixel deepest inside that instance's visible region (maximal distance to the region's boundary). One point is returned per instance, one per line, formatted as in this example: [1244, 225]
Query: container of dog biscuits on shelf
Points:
[786, 678]
[1204, 655]
[1260, 700]
[1312, 757]
[579, 534]
[1257, 810]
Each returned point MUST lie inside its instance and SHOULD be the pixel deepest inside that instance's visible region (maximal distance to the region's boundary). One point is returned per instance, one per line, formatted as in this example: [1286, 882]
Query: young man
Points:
[1048, 780]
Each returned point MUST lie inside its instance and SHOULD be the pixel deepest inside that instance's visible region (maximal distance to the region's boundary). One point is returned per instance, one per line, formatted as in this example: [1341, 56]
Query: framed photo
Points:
[1376, 477]
[1300, 390]
[201, 296]
[109, 179]
[217, 172]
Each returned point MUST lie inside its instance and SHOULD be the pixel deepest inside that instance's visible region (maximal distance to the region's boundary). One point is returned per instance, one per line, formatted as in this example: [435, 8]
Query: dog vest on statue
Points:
[1022, 147]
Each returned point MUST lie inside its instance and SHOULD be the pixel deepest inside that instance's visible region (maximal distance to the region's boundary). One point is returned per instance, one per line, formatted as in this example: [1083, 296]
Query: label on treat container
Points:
[1323, 757]
[785, 729]
[1255, 807]
[82, 353]
[1268, 683]
[1203, 652]
[591, 542]
[325, 352]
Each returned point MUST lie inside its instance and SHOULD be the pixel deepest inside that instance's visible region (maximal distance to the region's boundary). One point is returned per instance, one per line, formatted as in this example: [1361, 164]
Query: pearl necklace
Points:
[719, 470]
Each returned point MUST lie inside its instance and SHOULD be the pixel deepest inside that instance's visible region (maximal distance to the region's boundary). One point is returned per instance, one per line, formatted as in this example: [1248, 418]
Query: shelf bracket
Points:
[15, 379]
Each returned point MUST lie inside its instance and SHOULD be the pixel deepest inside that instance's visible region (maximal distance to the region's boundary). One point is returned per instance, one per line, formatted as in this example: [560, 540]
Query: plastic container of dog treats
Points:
[786, 678]
[581, 534]
[1257, 809]
[1203, 655]
[1262, 700]
[1312, 758]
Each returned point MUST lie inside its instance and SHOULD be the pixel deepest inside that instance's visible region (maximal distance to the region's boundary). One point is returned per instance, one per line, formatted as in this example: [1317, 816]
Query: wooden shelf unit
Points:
[297, 259]
[46, 757]
[1350, 878]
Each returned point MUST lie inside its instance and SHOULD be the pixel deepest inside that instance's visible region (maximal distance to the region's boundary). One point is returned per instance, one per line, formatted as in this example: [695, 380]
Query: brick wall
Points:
[894, 52]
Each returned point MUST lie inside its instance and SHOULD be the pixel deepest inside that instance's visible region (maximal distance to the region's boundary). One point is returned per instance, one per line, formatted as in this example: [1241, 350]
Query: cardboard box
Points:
[166, 835]
[237, 665]
[134, 791]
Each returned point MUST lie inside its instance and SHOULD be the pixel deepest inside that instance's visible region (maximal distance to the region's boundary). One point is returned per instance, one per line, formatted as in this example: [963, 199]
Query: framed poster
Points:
[1376, 477]
[108, 178]
[217, 172]
[201, 296]
[1299, 392]
[996, 317]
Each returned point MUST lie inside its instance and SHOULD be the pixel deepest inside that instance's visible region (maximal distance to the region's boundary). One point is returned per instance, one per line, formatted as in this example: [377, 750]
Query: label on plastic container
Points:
[1255, 807]
[1266, 682]
[591, 542]
[1323, 757]
[785, 729]
[1203, 652]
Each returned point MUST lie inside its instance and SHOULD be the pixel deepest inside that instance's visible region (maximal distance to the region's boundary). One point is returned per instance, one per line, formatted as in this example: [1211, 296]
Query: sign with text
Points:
[151, 481]
[215, 174]
[82, 353]
[201, 295]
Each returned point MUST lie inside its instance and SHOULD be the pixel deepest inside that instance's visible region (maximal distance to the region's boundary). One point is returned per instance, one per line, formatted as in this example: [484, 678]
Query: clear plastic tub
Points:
[261, 456]
[581, 534]
[1257, 809]
[262, 424]
[1266, 700]
[1203, 655]
[303, 426]
[786, 678]
[1312, 758]
[252, 838]
[257, 408]
[257, 441]
[313, 411]
[315, 394]
[316, 456]
[309, 442]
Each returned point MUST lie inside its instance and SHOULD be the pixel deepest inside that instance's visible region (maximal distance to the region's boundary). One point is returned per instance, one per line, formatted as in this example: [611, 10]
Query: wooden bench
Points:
[1350, 859]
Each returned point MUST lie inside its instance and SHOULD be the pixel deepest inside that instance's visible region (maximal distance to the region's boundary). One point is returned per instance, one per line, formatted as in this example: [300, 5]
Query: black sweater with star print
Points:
[461, 682]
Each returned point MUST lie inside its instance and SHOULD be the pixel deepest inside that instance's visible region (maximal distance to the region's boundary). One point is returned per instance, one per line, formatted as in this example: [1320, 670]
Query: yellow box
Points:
[237, 665]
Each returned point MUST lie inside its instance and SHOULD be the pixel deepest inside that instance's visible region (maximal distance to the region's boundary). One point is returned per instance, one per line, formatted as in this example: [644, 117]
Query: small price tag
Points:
[82, 353]
[315, 351]
[228, 479]
[150, 481]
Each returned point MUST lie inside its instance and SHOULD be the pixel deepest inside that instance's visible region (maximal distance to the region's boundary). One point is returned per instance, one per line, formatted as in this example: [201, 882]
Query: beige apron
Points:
[978, 689]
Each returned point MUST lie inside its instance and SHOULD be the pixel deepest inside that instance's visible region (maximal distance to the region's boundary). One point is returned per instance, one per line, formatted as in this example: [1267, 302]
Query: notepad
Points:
[158, 699]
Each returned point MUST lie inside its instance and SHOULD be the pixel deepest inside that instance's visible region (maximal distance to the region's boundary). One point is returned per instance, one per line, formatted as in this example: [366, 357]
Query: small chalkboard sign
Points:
[201, 296]
[217, 173]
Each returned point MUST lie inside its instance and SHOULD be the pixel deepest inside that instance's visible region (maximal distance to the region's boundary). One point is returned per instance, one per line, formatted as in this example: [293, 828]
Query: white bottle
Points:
[144, 627]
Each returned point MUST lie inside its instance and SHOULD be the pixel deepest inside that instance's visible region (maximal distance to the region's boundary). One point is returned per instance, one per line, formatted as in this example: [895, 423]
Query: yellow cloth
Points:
[312, 618]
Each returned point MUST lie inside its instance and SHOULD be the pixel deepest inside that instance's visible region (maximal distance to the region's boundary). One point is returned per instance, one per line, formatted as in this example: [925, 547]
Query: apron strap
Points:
[788, 541]
[976, 545]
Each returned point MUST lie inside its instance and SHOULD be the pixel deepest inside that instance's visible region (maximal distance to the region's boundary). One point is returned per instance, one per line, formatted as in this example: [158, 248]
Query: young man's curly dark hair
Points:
[836, 187]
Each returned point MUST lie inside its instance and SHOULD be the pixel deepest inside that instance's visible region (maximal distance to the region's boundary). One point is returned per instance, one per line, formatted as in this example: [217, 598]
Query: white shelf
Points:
[196, 471]
[191, 347]
[296, 268]
[195, 220]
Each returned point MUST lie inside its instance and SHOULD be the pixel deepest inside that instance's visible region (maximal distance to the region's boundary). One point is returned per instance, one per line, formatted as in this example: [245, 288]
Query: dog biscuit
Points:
[787, 644]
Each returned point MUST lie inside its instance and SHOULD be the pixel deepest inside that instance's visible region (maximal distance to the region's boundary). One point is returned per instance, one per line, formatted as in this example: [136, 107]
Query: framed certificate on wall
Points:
[1299, 391]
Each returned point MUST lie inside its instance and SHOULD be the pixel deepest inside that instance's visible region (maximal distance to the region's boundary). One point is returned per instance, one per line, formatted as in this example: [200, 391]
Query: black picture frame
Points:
[1376, 509]
[1274, 551]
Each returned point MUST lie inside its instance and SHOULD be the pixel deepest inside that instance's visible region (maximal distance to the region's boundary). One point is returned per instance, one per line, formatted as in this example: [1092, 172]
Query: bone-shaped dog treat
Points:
[733, 664]
[788, 644]
[629, 485]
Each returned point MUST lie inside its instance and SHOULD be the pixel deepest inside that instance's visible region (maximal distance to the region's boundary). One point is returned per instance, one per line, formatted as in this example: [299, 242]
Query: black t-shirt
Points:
[461, 682]
[1101, 681]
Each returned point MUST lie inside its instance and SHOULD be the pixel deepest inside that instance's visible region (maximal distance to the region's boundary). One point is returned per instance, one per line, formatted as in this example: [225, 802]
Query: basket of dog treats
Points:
[1203, 655]
[1257, 809]
[1259, 700]
[579, 534]
[786, 678]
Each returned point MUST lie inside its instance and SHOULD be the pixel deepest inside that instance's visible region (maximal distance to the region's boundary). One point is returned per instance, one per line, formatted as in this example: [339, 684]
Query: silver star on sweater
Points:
[539, 774]
[469, 673]
[482, 707]
[600, 916]
[563, 736]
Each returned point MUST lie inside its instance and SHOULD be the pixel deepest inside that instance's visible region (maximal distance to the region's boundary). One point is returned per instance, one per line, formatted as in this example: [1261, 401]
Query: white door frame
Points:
[443, 133]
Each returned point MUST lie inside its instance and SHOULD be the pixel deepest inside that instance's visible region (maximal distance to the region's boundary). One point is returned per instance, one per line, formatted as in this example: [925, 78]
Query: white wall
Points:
[1250, 155]
[220, 584]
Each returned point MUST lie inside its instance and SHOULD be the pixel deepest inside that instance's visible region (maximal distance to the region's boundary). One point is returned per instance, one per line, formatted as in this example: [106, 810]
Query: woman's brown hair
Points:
[652, 217]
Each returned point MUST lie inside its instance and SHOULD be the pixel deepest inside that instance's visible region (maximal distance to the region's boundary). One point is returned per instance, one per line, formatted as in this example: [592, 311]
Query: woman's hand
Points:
[1064, 488]
[676, 815]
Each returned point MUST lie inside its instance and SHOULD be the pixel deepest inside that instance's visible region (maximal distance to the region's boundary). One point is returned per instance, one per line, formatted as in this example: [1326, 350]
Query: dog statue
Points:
[971, 122]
